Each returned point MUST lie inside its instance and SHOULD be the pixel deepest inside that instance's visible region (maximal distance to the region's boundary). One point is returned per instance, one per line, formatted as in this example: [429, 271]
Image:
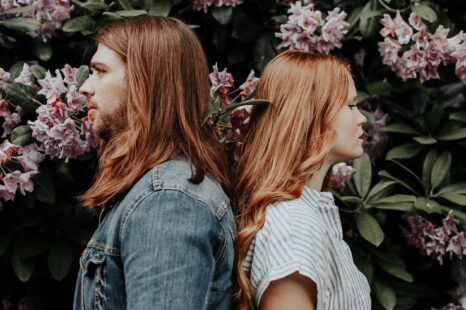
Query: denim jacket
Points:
[167, 244]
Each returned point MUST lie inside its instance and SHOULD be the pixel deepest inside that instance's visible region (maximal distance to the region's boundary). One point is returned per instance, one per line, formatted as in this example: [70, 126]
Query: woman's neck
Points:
[317, 179]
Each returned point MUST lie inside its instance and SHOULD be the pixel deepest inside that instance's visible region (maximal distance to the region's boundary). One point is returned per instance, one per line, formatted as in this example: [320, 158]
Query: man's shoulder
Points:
[174, 175]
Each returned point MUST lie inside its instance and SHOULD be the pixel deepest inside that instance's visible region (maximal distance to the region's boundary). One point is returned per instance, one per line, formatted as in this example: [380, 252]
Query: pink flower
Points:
[51, 14]
[16, 180]
[389, 49]
[250, 85]
[341, 173]
[74, 99]
[51, 86]
[4, 76]
[389, 26]
[10, 120]
[219, 79]
[86, 130]
[26, 77]
[403, 30]
[416, 22]
[30, 157]
[69, 73]
[203, 4]
[7, 150]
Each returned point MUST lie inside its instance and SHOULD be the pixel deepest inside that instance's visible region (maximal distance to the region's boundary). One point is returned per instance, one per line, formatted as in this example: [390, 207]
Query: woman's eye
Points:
[352, 106]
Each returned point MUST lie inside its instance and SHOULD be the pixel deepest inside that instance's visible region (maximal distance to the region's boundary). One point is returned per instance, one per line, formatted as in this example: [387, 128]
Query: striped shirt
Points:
[305, 235]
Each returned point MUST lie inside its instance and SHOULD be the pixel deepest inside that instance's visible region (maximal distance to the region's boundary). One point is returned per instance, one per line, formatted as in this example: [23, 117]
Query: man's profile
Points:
[166, 230]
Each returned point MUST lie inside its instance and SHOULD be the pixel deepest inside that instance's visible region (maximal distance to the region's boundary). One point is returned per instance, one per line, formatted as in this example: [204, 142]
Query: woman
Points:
[290, 252]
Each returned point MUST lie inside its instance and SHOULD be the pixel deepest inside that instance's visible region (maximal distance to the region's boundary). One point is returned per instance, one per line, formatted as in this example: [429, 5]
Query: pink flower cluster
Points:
[426, 51]
[54, 126]
[232, 136]
[4, 76]
[341, 173]
[29, 158]
[433, 241]
[203, 4]
[50, 13]
[458, 297]
[307, 30]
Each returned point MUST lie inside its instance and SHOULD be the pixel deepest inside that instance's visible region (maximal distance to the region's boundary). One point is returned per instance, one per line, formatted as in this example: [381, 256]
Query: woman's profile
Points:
[290, 252]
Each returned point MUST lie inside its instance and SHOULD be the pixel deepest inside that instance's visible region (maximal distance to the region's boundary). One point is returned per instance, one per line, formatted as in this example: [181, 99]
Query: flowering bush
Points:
[401, 204]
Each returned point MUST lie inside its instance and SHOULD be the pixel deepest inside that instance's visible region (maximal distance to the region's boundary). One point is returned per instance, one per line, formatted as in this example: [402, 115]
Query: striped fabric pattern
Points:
[305, 235]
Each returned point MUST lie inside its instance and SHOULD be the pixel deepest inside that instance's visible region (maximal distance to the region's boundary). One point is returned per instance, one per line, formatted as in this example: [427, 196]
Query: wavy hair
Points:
[287, 141]
[167, 90]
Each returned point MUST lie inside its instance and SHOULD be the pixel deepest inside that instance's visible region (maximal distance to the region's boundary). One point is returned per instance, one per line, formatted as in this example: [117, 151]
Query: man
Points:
[165, 235]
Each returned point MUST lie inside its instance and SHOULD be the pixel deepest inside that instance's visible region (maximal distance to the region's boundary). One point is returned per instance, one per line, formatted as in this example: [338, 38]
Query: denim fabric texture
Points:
[167, 244]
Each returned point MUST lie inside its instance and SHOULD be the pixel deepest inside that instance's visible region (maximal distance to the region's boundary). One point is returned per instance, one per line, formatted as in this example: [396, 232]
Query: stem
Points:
[390, 8]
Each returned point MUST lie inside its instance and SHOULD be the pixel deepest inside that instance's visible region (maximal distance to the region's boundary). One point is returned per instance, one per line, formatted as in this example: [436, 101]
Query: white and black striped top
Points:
[305, 235]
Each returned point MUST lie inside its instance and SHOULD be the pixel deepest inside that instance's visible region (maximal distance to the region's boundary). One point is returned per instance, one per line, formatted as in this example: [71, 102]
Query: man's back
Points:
[166, 244]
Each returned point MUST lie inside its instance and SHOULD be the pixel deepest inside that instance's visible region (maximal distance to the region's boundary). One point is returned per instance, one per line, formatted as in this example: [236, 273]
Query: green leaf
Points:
[263, 51]
[397, 198]
[405, 303]
[369, 228]
[425, 140]
[425, 12]
[456, 188]
[222, 14]
[376, 189]
[160, 8]
[459, 116]
[129, 13]
[23, 95]
[368, 26]
[377, 88]
[24, 269]
[21, 24]
[81, 75]
[395, 270]
[95, 5]
[369, 14]
[455, 198]
[363, 174]
[245, 28]
[401, 128]
[440, 169]
[44, 188]
[59, 259]
[352, 199]
[21, 135]
[407, 170]
[38, 71]
[406, 150]
[399, 206]
[387, 175]
[429, 161]
[5, 240]
[81, 23]
[451, 134]
[125, 4]
[362, 95]
[366, 268]
[427, 205]
[384, 294]
[43, 51]
[21, 9]
[33, 246]
[352, 18]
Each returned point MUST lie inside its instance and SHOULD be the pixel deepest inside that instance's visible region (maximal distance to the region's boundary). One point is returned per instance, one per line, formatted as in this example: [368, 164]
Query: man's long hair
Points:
[287, 141]
[166, 97]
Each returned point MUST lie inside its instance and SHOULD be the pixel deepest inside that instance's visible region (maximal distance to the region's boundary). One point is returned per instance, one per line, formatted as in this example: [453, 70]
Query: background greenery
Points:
[43, 233]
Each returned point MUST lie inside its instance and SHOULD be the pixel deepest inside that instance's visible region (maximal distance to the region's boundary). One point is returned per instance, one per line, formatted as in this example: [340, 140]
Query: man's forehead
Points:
[105, 56]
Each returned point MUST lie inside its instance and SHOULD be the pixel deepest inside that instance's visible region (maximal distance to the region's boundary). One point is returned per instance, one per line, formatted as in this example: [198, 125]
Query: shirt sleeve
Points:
[167, 251]
[292, 239]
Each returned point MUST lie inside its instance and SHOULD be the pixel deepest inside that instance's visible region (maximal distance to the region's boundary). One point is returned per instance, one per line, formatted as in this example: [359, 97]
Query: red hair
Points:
[167, 93]
[287, 141]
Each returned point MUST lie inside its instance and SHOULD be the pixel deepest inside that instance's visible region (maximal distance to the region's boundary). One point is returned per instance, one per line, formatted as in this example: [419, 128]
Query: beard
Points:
[111, 124]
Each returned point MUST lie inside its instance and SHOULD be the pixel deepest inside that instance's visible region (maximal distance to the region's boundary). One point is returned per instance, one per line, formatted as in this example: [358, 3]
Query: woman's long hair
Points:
[166, 97]
[287, 141]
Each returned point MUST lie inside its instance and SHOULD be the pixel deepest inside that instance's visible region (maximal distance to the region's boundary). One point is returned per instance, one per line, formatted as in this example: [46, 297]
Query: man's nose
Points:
[86, 88]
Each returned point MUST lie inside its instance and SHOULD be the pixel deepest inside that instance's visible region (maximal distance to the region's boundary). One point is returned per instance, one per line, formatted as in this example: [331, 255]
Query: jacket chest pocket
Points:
[93, 279]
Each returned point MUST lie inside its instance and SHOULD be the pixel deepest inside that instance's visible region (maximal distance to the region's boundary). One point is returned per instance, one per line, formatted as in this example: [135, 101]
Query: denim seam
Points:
[133, 206]
[223, 209]
[107, 250]
[209, 288]
[82, 284]
[221, 253]
[156, 177]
